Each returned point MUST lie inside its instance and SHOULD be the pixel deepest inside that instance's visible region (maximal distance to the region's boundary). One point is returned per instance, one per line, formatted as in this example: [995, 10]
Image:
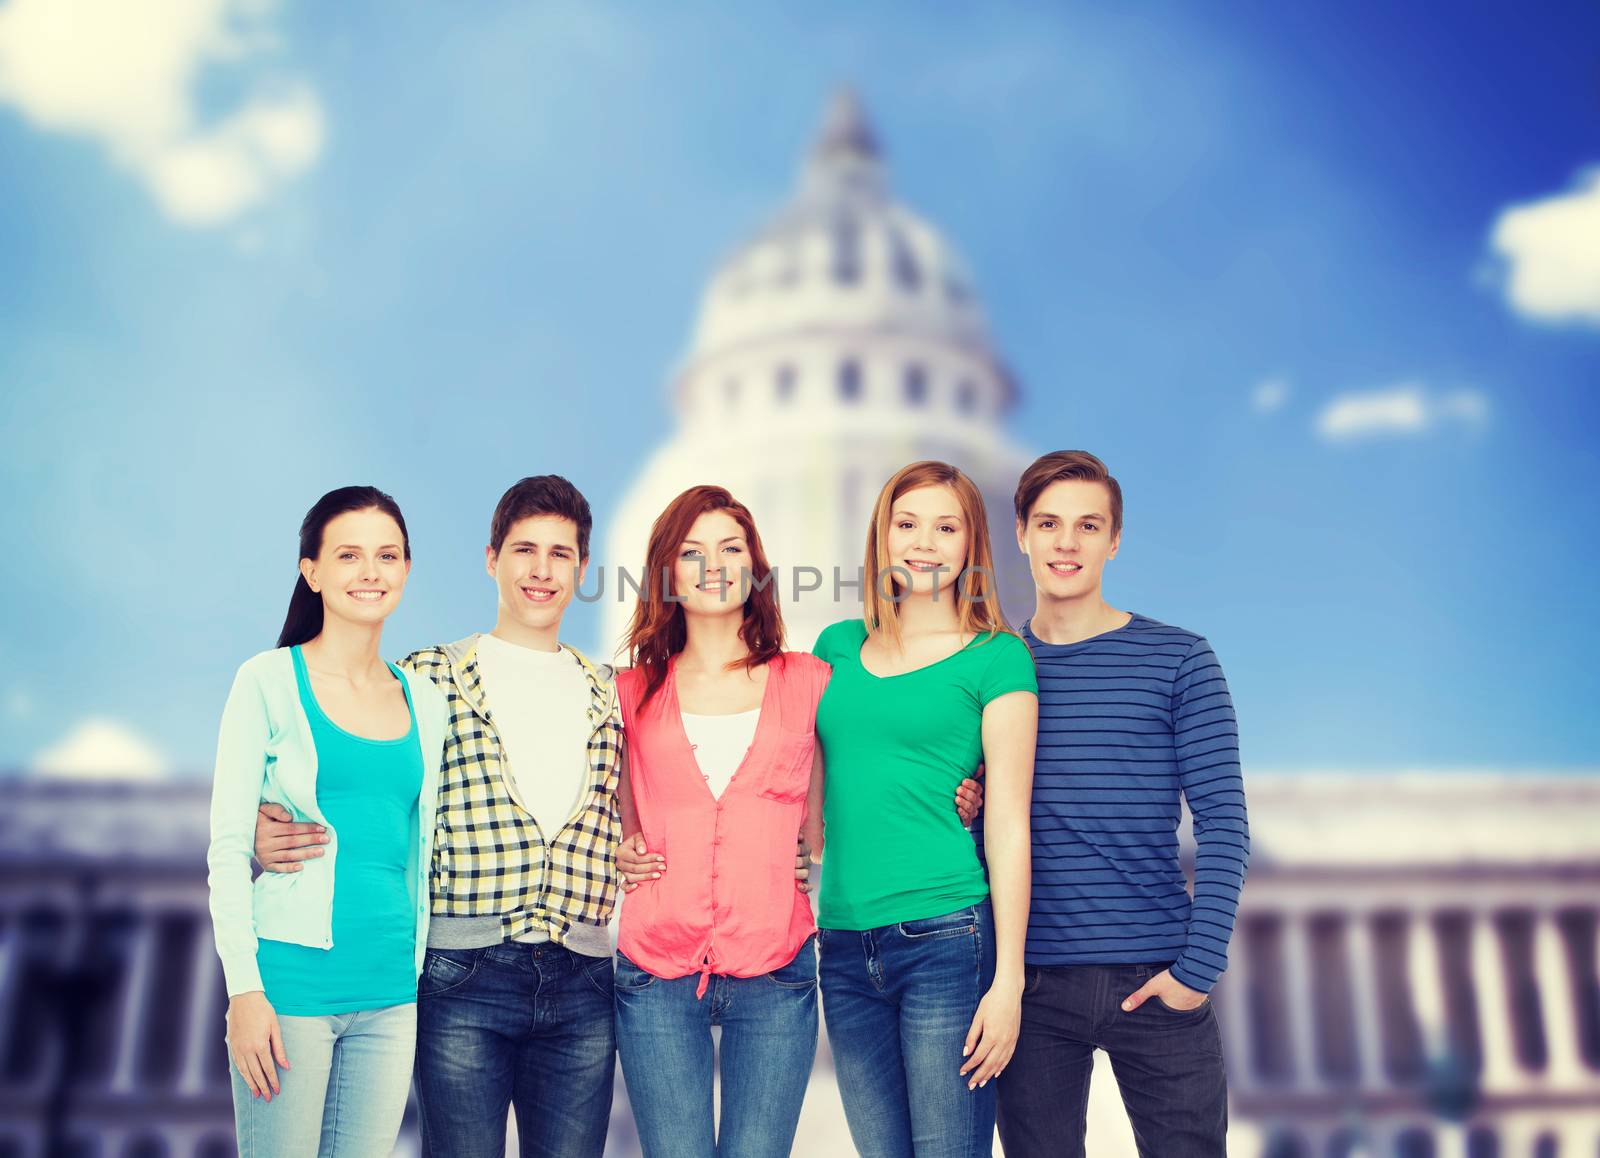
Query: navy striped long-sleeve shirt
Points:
[1128, 720]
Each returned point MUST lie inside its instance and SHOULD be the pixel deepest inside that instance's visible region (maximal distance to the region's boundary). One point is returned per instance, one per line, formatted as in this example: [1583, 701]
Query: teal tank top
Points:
[368, 791]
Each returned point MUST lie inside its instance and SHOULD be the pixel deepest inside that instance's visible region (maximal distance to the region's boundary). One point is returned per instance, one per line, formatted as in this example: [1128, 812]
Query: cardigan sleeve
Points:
[235, 796]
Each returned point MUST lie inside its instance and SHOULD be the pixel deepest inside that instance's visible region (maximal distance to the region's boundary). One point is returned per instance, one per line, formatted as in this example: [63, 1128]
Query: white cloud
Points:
[125, 75]
[101, 749]
[1551, 250]
[1406, 409]
[1270, 395]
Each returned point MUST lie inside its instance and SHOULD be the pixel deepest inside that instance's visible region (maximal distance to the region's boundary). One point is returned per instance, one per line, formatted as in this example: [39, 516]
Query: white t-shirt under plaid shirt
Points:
[540, 704]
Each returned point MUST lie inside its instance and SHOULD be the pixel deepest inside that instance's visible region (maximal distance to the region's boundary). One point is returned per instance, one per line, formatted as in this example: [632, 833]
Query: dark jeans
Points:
[898, 1002]
[769, 1040]
[1168, 1065]
[514, 1024]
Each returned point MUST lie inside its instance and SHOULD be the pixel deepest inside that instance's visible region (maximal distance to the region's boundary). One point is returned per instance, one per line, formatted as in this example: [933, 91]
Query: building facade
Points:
[1414, 974]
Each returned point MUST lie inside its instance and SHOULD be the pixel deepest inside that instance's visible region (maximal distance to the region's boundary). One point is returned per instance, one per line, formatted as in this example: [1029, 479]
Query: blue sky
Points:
[1244, 252]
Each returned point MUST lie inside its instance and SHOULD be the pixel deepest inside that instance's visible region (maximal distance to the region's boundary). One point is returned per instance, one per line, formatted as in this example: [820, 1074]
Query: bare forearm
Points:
[1010, 888]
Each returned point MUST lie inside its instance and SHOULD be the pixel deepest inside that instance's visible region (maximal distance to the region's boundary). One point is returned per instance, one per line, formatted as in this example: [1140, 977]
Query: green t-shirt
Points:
[894, 749]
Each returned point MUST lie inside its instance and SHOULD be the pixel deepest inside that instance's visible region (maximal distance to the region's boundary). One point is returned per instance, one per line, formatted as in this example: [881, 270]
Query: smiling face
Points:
[711, 573]
[927, 539]
[537, 570]
[361, 570]
[1068, 538]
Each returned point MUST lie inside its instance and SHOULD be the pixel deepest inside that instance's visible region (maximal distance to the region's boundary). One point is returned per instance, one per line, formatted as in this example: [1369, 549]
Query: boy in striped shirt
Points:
[1134, 715]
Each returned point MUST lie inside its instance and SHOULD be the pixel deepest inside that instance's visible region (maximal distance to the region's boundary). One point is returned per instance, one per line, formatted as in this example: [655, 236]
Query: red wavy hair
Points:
[659, 631]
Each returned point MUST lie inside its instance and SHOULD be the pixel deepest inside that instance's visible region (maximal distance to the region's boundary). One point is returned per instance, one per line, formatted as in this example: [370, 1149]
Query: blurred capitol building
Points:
[840, 343]
[1415, 971]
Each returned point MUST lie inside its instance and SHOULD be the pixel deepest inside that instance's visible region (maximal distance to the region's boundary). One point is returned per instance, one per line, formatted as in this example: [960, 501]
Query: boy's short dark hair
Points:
[1061, 465]
[541, 494]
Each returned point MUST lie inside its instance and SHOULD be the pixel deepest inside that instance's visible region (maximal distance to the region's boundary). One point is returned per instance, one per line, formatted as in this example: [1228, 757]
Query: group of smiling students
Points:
[442, 841]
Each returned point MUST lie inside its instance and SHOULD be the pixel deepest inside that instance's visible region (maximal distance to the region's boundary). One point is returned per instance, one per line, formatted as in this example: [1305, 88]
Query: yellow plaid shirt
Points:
[489, 856]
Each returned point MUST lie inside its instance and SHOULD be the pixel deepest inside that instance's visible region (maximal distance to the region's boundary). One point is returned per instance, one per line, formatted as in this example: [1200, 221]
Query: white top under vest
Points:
[719, 744]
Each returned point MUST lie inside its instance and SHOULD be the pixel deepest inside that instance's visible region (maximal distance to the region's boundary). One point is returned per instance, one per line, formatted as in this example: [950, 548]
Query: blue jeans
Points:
[520, 1025]
[1168, 1064]
[344, 1092]
[898, 1002]
[769, 1040]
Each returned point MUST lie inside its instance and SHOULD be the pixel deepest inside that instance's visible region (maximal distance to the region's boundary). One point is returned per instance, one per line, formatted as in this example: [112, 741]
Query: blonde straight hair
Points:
[977, 603]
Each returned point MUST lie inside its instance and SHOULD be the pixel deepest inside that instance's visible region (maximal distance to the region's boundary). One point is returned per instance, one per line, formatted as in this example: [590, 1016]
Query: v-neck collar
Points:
[672, 707]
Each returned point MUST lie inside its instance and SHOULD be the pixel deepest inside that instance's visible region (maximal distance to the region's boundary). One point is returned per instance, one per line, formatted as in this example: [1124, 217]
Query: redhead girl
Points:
[721, 768]
[321, 966]
[718, 725]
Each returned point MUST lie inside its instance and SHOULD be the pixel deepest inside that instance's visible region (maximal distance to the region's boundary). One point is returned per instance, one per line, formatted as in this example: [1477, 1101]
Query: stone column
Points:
[1301, 999]
[1238, 1046]
[131, 1004]
[1363, 967]
[200, 1027]
[1501, 1069]
[1426, 982]
[1552, 970]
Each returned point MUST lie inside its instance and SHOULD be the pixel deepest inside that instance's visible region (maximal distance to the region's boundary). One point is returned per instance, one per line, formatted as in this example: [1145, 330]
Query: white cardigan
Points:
[265, 754]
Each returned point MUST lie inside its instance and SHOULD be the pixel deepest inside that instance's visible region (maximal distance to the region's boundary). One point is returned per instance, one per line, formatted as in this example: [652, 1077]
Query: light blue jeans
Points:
[344, 1092]
[769, 1040]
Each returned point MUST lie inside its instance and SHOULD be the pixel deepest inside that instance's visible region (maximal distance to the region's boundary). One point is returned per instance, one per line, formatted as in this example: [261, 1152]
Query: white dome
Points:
[839, 344]
[841, 260]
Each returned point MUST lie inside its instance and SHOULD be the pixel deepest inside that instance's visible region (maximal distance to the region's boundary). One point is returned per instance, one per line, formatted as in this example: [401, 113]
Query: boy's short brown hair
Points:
[1060, 465]
[541, 494]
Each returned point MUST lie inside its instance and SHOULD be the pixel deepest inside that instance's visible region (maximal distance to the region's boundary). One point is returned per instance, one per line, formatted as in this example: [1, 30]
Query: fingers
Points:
[992, 1057]
[802, 847]
[269, 1071]
[975, 1063]
[287, 860]
[275, 1040]
[275, 812]
[242, 1064]
[286, 832]
[280, 847]
[974, 1032]
[254, 1074]
[966, 805]
[1139, 996]
[637, 863]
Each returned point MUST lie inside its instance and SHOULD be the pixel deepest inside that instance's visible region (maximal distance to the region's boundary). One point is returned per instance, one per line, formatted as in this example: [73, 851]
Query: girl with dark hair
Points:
[322, 994]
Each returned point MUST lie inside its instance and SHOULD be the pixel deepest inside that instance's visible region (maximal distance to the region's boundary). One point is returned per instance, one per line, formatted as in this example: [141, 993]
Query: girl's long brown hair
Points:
[658, 631]
[977, 602]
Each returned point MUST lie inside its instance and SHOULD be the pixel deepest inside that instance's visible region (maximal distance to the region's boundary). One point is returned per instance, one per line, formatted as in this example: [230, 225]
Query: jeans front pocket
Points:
[1161, 1003]
[801, 972]
[444, 970]
[600, 974]
[629, 978]
[956, 924]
